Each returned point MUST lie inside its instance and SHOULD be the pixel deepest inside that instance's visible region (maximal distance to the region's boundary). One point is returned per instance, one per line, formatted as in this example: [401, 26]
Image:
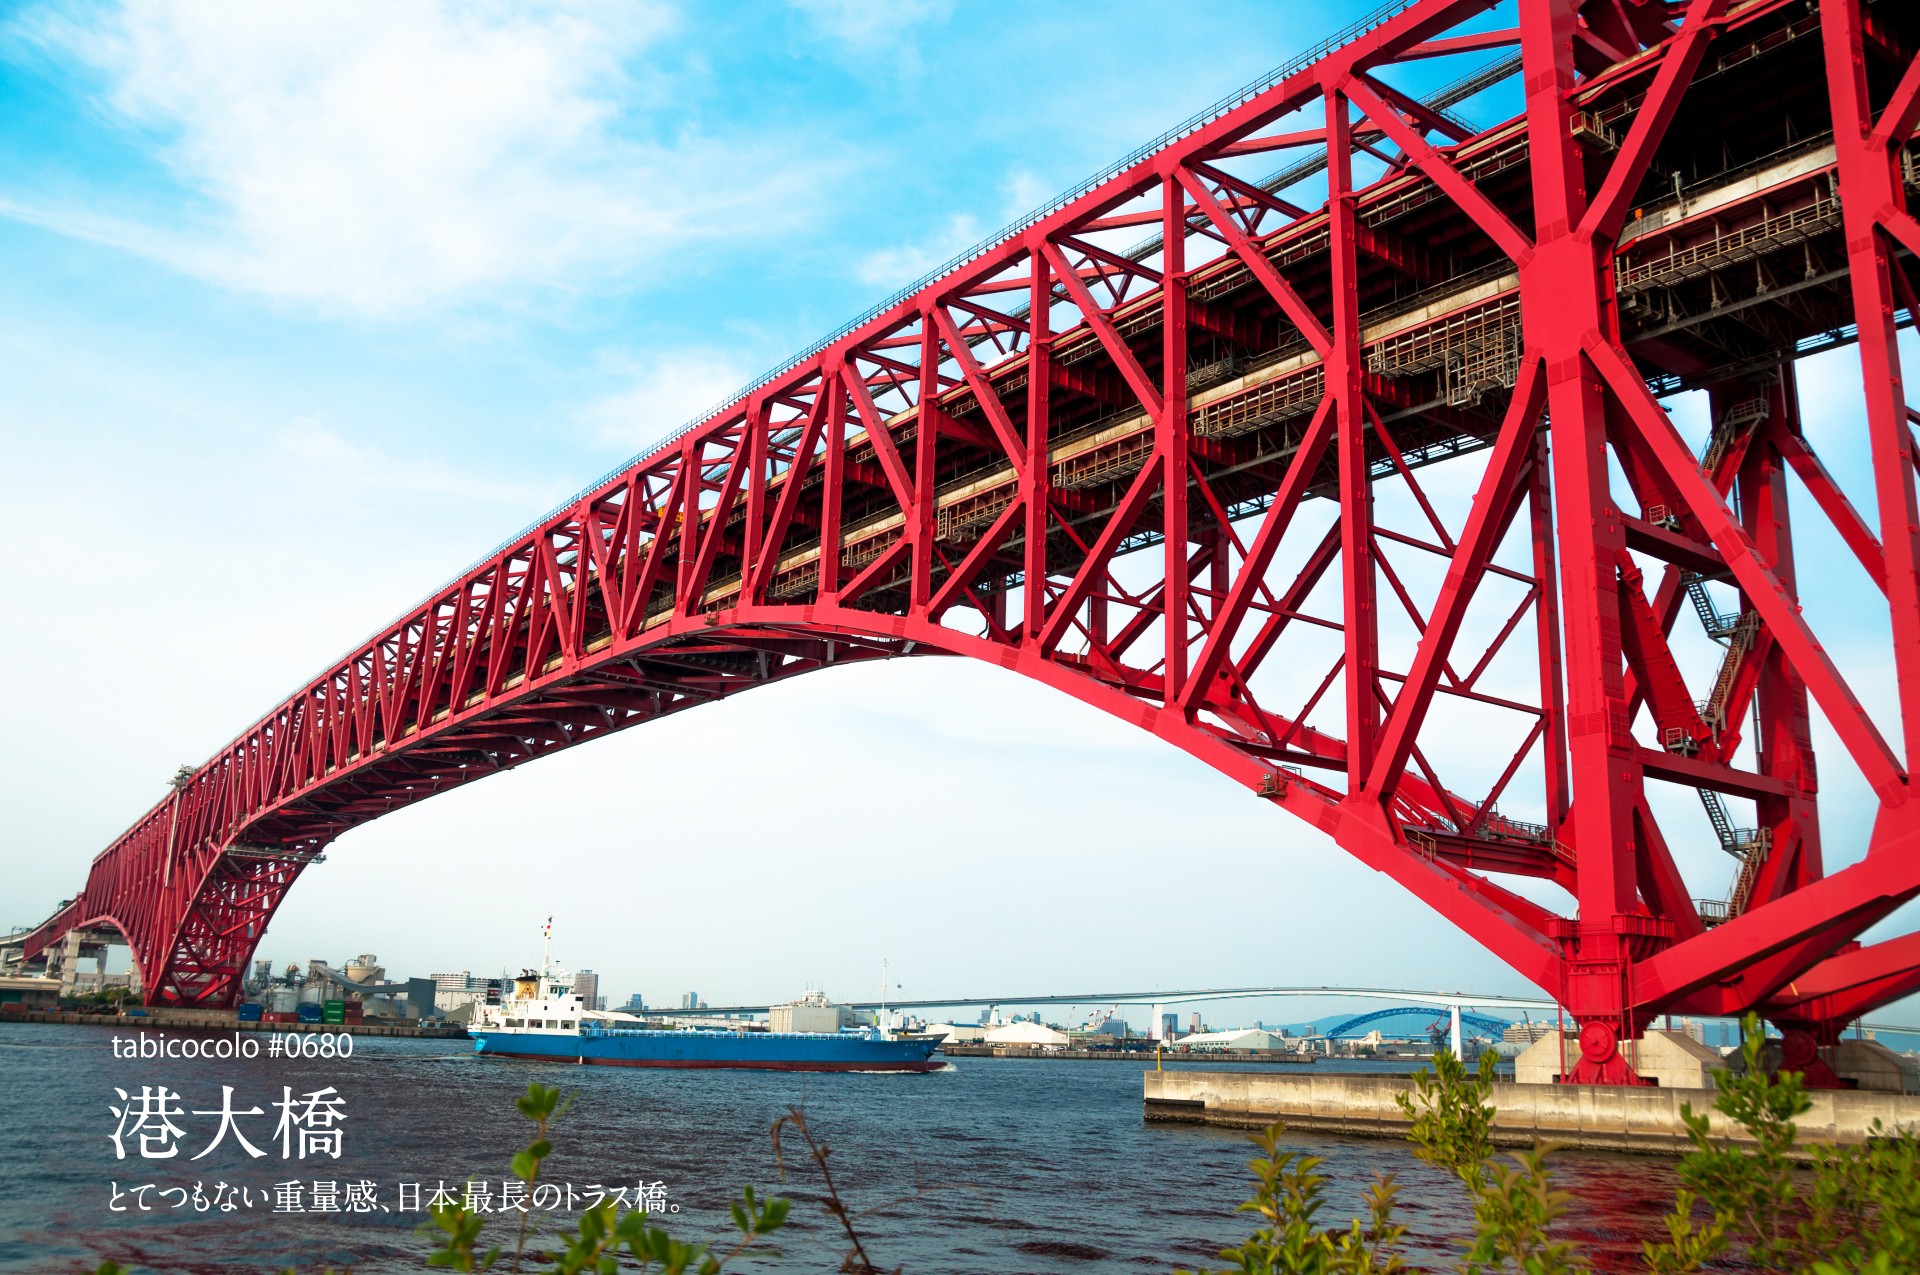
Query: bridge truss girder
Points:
[1152, 475]
[1479, 1022]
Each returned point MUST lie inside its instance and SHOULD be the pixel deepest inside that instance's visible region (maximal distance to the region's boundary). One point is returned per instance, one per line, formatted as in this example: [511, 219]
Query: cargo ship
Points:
[543, 1019]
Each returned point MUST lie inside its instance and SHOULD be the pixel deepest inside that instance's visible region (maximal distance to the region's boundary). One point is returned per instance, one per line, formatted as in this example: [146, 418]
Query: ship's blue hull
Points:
[773, 1051]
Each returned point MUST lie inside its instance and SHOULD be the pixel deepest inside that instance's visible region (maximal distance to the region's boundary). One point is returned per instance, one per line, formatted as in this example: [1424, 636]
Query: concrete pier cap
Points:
[1674, 1060]
[1669, 1059]
[1644, 1118]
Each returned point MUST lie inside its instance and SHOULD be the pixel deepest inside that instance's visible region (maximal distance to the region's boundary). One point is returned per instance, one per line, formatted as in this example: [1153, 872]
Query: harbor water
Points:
[991, 1165]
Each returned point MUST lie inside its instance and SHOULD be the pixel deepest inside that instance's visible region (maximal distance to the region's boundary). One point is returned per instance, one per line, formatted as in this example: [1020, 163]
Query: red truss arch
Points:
[1176, 446]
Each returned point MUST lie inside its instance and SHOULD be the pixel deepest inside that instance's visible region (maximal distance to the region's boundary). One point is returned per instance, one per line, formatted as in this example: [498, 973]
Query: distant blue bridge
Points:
[1453, 1004]
[1479, 1022]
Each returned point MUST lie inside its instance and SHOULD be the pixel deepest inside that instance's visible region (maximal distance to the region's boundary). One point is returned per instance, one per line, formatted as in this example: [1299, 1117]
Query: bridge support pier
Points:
[1805, 1047]
[1602, 1060]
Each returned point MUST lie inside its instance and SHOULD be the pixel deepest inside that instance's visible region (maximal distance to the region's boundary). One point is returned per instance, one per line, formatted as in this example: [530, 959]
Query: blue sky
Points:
[303, 308]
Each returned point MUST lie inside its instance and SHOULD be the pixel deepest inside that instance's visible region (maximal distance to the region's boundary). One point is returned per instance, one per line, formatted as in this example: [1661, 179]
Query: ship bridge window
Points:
[516, 1022]
[535, 1022]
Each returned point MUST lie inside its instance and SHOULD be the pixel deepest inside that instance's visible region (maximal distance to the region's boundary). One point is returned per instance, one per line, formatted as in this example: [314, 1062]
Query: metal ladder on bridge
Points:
[1739, 641]
[1716, 807]
[1749, 846]
[1739, 419]
[1736, 633]
[1718, 626]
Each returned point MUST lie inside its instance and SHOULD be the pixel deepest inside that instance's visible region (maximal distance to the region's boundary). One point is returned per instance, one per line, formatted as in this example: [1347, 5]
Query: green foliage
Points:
[1749, 1188]
[604, 1232]
[1287, 1197]
[106, 1000]
[1512, 1210]
[1859, 1212]
[855, 1260]
[460, 1250]
[1513, 1207]
[1689, 1246]
[1855, 1210]
[1452, 1117]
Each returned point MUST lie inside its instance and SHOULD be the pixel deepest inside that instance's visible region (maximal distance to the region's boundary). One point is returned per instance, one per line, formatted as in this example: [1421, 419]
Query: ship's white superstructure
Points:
[543, 1002]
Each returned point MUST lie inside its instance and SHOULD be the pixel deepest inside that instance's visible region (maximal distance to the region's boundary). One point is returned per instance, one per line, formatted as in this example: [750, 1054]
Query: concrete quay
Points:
[1121, 1055]
[1591, 1117]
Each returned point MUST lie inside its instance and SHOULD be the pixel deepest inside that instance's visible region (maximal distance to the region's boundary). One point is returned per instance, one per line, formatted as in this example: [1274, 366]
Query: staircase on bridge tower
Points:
[1736, 633]
[1749, 846]
[1734, 425]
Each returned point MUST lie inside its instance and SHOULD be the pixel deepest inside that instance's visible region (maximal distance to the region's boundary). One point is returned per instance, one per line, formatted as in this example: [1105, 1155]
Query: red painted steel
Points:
[1694, 195]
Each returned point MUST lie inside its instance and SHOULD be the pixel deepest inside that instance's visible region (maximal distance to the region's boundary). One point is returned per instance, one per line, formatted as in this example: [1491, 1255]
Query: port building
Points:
[811, 1013]
[958, 1033]
[1029, 1035]
[1245, 1038]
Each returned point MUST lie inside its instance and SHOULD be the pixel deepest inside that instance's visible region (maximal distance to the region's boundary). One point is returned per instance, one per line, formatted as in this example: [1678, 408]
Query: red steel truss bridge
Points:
[1322, 438]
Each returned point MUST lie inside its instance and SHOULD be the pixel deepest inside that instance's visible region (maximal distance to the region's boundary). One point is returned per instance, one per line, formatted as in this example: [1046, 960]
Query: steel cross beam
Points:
[1474, 686]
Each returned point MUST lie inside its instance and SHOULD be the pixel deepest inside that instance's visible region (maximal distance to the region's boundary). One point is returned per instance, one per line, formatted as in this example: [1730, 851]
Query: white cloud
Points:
[1026, 192]
[897, 266]
[332, 461]
[379, 156]
[666, 392]
[864, 27]
[1021, 193]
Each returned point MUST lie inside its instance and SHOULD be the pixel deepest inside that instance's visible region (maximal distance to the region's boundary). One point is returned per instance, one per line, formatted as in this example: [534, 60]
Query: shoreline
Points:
[209, 1020]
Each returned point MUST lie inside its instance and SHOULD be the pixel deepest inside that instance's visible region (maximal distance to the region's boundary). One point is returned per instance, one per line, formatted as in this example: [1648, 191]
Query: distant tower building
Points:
[586, 985]
[811, 1013]
[1193, 1022]
[452, 982]
[690, 1000]
[636, 1005]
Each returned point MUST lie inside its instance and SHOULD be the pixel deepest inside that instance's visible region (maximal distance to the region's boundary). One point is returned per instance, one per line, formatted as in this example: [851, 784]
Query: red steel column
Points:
[1035, 491]
[1174, 430]
[1783, 740]
[1356, 488]
[926, 442]
[1870, 190]
[1546, 615]
[834, 467]
[1565, 304]
[759, 425]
